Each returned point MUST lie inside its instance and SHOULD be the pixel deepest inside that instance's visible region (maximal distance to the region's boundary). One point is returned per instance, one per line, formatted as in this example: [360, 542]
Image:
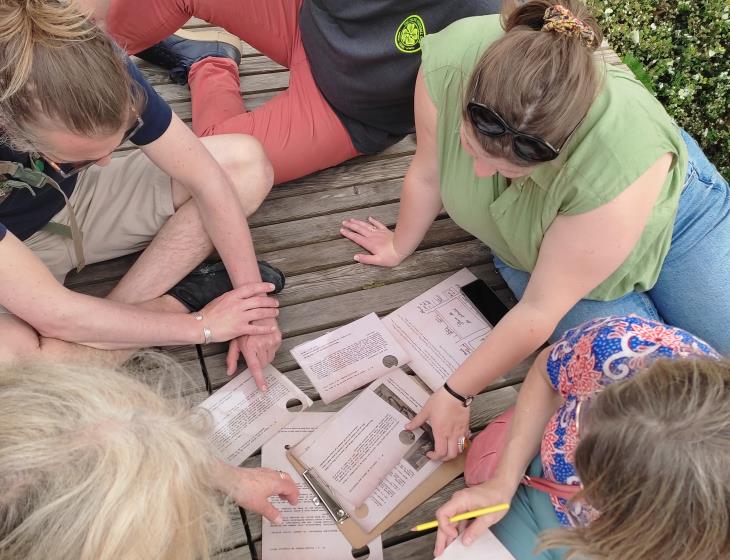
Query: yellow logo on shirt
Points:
[409, 34]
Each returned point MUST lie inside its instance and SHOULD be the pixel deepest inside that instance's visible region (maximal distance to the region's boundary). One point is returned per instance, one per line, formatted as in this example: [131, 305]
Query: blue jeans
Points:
[693, 288]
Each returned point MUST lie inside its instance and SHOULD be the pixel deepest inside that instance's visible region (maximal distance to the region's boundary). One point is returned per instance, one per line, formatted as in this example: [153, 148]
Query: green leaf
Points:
[638, 69]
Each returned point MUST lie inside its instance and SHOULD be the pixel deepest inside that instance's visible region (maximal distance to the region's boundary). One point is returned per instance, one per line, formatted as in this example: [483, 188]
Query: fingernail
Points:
[279, 520]
[356, 258]
[466, 541]
[273, 329]
[264, 387]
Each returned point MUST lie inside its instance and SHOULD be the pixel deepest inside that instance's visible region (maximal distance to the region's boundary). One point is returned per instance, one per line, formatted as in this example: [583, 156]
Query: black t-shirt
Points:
[23, 214]
[365, 57]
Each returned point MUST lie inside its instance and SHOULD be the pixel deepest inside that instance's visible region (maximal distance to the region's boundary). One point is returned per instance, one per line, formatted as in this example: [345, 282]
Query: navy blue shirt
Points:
[24, 214]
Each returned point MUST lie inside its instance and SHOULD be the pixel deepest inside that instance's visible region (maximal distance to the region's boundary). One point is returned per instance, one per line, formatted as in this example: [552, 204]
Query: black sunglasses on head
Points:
[531, 148]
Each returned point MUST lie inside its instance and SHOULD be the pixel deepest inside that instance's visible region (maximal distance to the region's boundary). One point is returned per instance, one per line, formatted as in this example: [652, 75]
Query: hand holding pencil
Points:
[485, 504]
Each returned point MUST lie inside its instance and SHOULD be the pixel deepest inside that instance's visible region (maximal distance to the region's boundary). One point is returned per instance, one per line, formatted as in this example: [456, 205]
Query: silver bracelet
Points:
[207, 334]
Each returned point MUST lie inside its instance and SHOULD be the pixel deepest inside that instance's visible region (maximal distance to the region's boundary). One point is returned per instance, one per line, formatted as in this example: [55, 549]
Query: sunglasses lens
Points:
[486, 121]
[533, 149]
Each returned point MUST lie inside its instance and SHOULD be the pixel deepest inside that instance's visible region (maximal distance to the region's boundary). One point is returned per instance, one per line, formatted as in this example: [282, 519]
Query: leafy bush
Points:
[679, 50]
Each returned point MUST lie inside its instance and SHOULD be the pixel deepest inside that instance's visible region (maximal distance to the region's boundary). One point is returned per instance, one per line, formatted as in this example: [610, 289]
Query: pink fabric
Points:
[298, 129]
[485, 449]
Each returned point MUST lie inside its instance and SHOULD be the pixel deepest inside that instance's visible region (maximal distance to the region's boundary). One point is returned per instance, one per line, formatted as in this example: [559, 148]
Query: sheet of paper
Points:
[244, 417]
[439, 329]
[487, 546]
[414, 469]
[354, 451]
[308, 532]
[349, 357]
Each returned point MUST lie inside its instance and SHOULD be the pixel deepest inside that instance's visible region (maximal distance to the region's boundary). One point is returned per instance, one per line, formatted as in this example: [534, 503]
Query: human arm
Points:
[578, 252]
[251, 488]
[182, 156]
[29, 291]
[420, 200]
[536, 403]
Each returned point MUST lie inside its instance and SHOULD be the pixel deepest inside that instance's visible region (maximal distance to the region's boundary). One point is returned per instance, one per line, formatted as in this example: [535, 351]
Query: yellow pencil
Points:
[463, 516]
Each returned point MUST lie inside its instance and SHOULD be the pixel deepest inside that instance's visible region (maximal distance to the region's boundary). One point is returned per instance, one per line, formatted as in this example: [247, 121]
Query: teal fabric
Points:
[530, 513]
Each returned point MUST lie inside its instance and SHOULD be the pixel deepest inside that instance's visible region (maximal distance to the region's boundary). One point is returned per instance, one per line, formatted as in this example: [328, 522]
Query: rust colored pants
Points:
[298, 129]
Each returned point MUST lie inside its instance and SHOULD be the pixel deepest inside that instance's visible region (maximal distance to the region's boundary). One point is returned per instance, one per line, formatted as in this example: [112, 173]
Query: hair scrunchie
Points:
[560, 19]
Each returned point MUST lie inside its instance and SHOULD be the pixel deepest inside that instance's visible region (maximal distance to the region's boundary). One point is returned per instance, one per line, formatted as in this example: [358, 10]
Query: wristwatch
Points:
[465, 401]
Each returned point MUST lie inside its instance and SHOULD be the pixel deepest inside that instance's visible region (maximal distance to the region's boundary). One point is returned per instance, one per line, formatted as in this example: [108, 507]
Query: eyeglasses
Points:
[531, 148]
[70, 169]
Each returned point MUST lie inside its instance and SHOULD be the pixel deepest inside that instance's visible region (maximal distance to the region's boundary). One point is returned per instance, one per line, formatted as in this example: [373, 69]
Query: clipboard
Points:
[349, 527]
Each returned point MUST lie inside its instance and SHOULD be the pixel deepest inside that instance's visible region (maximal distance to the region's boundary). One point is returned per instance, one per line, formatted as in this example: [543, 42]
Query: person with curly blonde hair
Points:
[96, 465]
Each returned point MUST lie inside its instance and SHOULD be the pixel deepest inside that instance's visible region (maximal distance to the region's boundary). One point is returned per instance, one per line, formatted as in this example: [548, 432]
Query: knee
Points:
[249, 169]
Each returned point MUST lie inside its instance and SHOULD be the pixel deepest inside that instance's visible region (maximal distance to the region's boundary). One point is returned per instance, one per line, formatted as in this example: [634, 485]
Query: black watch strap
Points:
[465, 401]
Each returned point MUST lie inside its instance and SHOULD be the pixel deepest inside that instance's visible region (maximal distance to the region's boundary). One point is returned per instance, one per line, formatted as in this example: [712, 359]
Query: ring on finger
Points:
[283, 475]
[461, 444]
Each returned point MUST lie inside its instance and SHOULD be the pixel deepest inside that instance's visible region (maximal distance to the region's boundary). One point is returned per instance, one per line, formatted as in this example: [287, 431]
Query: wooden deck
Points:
[297, 229]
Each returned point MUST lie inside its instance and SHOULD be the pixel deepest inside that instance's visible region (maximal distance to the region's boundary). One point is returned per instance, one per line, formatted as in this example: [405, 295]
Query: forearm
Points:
[536, 403]
[520, 332]
[227, 227]
[107, 324]
[419, 205]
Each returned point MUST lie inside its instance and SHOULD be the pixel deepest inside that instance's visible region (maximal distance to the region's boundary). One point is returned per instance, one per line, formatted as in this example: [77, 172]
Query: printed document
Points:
[244, 417]
[353, 452]
[486, 546]
[349, 357]
[307, 532]
[439, 329]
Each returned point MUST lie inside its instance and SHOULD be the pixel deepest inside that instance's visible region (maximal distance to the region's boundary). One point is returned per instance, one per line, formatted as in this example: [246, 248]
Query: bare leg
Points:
[182, 242]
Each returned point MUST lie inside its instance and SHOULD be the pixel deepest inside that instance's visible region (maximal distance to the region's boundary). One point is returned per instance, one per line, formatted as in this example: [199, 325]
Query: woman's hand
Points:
[232, 314]
[490, 493]
[251, 488]
[374, 237]
[449, 420]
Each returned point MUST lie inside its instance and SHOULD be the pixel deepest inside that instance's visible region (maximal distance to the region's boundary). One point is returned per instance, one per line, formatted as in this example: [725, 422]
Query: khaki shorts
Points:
[119, 207]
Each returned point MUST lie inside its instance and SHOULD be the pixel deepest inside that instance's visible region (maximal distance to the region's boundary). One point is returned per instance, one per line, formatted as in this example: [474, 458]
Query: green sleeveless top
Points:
[625, 131]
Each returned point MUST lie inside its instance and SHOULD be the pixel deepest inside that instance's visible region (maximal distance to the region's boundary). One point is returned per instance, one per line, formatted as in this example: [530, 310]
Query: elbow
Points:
[52, 327]
[62, 323]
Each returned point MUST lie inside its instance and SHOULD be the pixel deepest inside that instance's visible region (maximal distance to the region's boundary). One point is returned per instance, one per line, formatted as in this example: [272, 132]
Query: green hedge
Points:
[679, 50]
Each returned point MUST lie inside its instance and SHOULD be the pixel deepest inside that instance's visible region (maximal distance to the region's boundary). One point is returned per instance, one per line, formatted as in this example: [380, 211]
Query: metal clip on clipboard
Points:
[321, 497]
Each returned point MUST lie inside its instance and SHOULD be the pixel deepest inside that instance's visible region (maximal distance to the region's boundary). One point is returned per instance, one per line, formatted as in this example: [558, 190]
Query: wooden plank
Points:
[287, 209]
[316, 229]
[340, 251]
[342, 279]
[354, 172]
[99, 278]
[419, 548]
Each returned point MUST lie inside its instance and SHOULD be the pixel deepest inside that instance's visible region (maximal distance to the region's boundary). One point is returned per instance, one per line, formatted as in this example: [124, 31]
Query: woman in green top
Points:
[592, 200]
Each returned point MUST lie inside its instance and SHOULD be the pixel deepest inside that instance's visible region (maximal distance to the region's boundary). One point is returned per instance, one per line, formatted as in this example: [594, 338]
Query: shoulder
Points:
[449, 56]
[624, 133]
[156, 114]
[605, 350]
